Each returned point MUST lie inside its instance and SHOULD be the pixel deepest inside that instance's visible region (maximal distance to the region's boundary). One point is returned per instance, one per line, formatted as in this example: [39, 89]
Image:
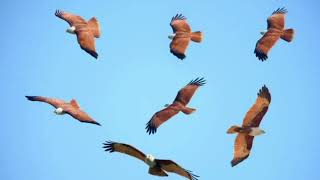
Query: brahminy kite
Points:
[179, 104]
[72, 108]
[275, 31]
[250, 127]
[181, 36]
[157, 167]
[85, 31]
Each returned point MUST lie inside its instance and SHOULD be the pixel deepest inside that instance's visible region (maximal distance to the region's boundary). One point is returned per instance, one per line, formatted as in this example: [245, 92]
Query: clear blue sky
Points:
[136, 75]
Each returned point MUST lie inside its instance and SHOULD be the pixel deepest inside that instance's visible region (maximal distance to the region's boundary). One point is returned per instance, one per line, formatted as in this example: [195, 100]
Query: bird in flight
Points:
[181, 36]
[157, 167]
[250, 127]
[85, 31]
[72, 108]
[276, 30]
[179, 104]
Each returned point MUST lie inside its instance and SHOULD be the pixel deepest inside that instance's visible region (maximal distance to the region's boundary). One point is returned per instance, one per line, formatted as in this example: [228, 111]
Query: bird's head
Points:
[71, 30]
[166, 105]
[58, 111]
[263, 32]
[150, 158]
[171, 36]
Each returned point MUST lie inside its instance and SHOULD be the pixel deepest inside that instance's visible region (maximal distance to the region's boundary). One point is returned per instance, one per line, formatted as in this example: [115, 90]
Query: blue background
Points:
[136, 75]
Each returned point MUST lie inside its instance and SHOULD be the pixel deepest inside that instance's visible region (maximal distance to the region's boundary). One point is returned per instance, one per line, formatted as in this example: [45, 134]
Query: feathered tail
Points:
[95, 27]
[196, 36]
[288, 35]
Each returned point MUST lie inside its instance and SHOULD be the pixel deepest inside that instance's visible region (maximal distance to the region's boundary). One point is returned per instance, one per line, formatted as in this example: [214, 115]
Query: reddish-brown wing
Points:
[267, 41]
[259, 109]
[73, 20]
[178, 46]
[86, 40]
[173, 167]
[78, 114]
[186, 93]
[52, 101]
[162, 116]
[277, 19]
[242, 147]
[179, 23]
[124, 148]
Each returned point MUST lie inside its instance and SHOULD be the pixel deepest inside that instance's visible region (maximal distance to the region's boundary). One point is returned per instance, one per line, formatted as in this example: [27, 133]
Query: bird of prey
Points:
[157, 167]
[250, 127]
[85, 31]
[276, 29]
[179, 104]
[181, 36]
[72, 108]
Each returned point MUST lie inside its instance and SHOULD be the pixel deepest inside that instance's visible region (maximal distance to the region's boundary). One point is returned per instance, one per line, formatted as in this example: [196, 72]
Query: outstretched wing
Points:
[185, 94]
[178, 46]
[259, 109]
[265, 43]
[179, 23]
[78, 114]
[124, 148]
[73, 20]
[160, 117]
[277, 19]
[242, 147]
[173, 167]
[52, 101]
[86, 40]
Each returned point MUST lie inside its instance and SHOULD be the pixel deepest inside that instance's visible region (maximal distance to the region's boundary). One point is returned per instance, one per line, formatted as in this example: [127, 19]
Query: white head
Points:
[263, 32]
[150, 160]
[255, 131]
[171, 36]
[71, 30]
[58, 111]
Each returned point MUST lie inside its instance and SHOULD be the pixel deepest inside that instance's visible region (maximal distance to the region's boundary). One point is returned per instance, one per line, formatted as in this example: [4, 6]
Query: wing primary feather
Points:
[282, 10]
[198, 82]
[108, 145]
[151, 128]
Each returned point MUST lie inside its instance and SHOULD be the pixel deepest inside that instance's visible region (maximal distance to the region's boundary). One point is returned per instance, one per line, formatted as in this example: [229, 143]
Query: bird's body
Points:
[250, 127]
[275, 31]
[157, 167]
[72, 108]
[181, 36]
[179, 104]
[86, 31]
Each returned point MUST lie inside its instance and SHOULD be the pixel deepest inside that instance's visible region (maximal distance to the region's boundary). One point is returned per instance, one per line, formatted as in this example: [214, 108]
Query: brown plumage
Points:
[179, 104]
[85, 31]
[251, 122]
[275, 30]
[157, 167]
[182, 36]
[72, 108]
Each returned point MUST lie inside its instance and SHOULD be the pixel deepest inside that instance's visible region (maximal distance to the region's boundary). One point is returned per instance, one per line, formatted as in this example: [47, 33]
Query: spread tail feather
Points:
[187, 110]
[233, 129]
[288, 35]
[95, 27]
[196, 36]
[157, 171]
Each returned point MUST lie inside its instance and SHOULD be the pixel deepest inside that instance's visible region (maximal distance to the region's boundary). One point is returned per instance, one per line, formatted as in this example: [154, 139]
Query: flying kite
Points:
[181, 36]
[157, 167]
[72, 108]
[85, 31]
[275, 30]
[179, 104]
[250, 127]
